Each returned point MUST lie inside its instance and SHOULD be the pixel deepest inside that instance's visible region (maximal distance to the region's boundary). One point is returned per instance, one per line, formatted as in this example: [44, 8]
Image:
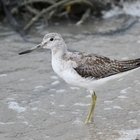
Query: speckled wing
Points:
[96, 66]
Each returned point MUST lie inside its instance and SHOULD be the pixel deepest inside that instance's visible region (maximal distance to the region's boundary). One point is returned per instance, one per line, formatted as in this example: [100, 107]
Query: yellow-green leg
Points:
[91, 111]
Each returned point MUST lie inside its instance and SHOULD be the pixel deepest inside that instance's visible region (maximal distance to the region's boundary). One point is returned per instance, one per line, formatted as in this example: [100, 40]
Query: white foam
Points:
[77, 121]
[107, 108]
[108, 102]
[51, 95]
[4, 123]
[130, 112]
[10, 99]
[52, 103]
[88, 96]
[117, 107]
[113, 12]
[73, 88]
[122, 97]
[75, 112]
[129, 134]
[25, 122]
[55, 82]
[47, 137]
[21, 80]
[3, 75]
[54, 77]
[16, 107]
[20, 117]
[61, 105]
[132, 8]
[52, 113]
[81, 104]
[103, 118]
[40, 86]
[60, 90]
[125, 90]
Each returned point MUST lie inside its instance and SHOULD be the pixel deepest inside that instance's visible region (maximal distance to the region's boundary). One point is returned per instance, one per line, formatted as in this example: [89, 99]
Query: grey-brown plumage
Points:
[96, 66]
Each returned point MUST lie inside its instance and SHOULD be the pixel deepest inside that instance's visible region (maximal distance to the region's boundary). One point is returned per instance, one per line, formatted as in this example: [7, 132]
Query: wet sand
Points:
[35, 104]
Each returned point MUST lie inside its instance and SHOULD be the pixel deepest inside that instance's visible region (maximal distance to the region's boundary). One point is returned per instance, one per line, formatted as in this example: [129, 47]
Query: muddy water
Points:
[35, 104]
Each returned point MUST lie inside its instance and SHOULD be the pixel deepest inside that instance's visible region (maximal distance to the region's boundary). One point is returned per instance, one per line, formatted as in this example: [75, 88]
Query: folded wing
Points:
[96, 66]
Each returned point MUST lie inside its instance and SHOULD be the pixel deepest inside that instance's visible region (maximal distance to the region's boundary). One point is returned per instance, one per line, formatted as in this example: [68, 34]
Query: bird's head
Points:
[51, 41]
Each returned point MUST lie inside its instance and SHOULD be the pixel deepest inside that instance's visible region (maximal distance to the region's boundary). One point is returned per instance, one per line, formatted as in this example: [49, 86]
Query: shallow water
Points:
[35, 104]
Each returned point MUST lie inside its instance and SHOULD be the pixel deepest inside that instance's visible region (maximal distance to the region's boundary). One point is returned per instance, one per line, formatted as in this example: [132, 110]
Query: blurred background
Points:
[35, 104]
[89, 16]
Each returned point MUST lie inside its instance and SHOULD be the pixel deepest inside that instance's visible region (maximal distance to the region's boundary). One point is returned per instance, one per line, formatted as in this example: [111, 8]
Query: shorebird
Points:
[83, 69]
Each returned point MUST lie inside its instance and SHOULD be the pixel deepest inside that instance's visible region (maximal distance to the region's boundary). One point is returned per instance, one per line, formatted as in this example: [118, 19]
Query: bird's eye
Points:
[51, 39]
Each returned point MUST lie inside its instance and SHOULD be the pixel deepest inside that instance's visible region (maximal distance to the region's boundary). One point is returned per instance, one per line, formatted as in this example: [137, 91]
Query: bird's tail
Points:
[130, 64]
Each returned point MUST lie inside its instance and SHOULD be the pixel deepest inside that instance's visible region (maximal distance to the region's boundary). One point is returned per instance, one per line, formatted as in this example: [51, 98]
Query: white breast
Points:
[65, 70]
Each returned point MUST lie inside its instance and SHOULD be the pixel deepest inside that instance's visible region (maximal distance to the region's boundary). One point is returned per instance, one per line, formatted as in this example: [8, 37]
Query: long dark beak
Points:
[31, 50]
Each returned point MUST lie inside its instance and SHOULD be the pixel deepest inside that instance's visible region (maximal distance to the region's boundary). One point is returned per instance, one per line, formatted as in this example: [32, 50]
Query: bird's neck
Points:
[59, 51]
